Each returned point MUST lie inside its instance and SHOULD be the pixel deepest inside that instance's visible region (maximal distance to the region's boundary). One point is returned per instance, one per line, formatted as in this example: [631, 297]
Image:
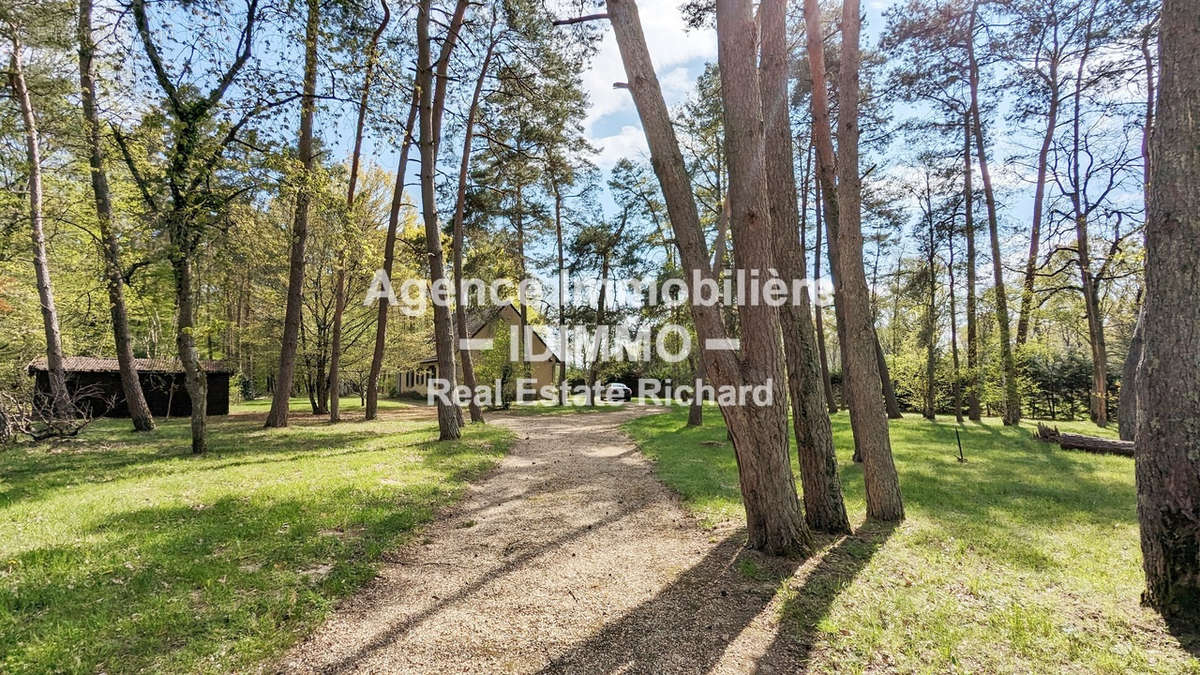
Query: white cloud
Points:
[629, 142]
[672, 49]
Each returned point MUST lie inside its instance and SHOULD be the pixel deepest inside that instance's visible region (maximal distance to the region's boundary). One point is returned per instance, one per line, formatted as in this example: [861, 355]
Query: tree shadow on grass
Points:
[689, 625]
[29, 473]
[1186, 629]
[108, 453]
[394, 632]
[163, 587]
[802, 612]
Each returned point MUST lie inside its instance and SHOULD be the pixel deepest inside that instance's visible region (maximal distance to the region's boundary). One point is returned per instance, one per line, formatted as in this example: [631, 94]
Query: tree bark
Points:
[293, 313]
[561, 382]
[1098, 406]
[1039, 199]
[1012, 401]
[958, 394]
[930, 411]
[1133, 387]
[1131, 403]
[131, 386]
[443, 329]
[339, 309]
[1103, 446]
[521, 367]
[828, 198]
[60, 400]
[774, 522]
[389, 256]
[696, 408]
[861, 377]
[890, 402]
[1168, 438]
[750, 227]
[460, 310]
[601, 302]
[195, 378]
[824, 507]
[820, 311]
[974, 413]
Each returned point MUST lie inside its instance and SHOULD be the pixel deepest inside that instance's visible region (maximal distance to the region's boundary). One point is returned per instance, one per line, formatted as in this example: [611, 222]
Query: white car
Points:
[615, 391]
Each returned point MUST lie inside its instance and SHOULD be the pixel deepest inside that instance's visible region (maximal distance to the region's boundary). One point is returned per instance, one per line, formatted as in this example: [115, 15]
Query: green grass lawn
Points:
[1023, 559]
[122, 552]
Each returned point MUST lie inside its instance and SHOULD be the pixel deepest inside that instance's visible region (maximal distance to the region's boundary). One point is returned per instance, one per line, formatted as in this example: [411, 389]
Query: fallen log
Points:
[1110, 446]
[1103, 446]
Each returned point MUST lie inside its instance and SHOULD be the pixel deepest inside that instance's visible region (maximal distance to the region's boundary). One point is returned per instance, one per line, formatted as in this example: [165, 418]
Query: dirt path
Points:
[570, 557]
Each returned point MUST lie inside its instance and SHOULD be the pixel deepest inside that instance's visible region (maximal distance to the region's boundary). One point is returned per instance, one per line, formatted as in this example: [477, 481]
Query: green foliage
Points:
[495, 364]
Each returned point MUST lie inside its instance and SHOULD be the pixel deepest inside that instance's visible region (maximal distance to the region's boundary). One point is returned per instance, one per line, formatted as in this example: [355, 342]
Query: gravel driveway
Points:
[569, 557]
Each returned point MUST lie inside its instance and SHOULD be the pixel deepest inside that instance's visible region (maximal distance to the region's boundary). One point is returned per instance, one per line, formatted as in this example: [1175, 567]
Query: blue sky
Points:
[679, 57]
[612, 124]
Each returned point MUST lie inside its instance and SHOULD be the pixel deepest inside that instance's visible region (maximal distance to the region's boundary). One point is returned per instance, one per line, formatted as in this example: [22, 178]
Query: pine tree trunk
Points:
[1012, 401]
[340, 290]
[60, 400]
[522, 308]
[1131, 403]
[443, 329]
[890, 402]
[1099, 397]
[774, 522]
[958, 394]
[601, 302]
[861, 376]
[1168, 438]
[974, 413]
[389, 255]
[765, 426]
[824, 507]
[460, 310]
[135, 400]
[820, 311]
[1098, 404]
[930, 411]
[293, 313]
[562, 298]
[1039, 199]
[696, 408]
[1133, 387]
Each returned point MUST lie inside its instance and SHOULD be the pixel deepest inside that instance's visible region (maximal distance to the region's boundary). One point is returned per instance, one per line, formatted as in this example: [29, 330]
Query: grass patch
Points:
[123, 552]
[1023, 559]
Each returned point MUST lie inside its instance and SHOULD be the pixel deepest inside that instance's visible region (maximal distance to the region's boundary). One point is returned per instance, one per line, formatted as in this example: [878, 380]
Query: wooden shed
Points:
[162, 384]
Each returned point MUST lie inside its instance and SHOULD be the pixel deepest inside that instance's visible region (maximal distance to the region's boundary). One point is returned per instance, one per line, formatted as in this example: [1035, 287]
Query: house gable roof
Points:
[480, 317]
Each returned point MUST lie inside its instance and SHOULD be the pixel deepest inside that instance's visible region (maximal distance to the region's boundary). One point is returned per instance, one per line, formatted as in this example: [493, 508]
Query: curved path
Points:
[569, 557]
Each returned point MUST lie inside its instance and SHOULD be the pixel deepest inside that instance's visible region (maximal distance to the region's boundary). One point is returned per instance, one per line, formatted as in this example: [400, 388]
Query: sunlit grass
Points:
[123, 552]
[1025, 558]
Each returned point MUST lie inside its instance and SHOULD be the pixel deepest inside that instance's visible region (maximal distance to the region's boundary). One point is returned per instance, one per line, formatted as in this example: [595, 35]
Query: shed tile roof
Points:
[93, 364]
